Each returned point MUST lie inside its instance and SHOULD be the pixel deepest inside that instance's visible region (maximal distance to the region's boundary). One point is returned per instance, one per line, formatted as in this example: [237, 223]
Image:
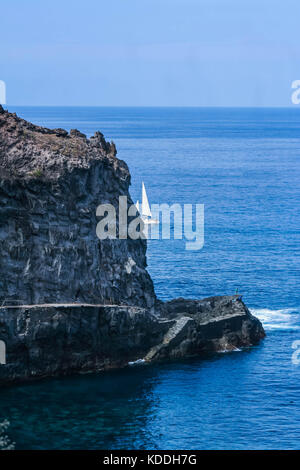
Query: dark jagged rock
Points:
[50, 340]
[58, 280]
[57, 340]
[50, 186]
[222, 323]
[76, 133]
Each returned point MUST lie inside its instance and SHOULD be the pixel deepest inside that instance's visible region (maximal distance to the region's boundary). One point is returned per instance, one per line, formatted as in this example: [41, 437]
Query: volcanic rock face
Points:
[51, 183]
[53, 340]
[74, 303]
[49, 340]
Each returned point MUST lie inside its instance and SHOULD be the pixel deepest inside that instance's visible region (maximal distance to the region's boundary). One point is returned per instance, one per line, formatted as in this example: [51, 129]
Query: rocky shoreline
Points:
[69, 302]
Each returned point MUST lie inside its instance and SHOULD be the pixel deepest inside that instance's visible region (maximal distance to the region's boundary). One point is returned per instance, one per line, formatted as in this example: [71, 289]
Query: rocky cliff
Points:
[51, 183]
[70, 302]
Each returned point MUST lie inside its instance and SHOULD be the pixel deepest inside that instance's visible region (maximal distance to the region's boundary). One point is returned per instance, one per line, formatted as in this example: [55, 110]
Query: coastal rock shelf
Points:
[69, 302]
[49, 340]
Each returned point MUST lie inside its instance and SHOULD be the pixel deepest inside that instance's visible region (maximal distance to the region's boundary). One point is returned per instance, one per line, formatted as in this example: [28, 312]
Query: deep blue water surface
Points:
[243, 165]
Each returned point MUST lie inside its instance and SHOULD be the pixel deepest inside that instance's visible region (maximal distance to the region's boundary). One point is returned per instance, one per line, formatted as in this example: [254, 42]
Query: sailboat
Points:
[145, 210]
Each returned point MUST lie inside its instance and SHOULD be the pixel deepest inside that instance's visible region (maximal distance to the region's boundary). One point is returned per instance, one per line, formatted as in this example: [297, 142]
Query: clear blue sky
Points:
[150, 52]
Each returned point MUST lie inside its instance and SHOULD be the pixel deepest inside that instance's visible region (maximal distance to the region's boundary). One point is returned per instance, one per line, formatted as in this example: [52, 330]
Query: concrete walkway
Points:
[4, 307]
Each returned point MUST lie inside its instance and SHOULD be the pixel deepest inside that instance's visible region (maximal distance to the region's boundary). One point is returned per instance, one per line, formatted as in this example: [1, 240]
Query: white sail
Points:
[145, 204]
[137, 205]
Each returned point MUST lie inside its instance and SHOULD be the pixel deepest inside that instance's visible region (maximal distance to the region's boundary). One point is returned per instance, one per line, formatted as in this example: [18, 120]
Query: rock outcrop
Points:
[51, 183]
[70, 302]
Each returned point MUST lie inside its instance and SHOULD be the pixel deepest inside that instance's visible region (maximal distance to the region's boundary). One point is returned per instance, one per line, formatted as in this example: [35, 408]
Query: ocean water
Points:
[243, 165]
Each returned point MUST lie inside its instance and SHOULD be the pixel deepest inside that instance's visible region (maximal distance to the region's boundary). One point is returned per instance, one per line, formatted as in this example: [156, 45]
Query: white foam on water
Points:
[5, 443]
[282, 319]
[225, 351]
[137, 362]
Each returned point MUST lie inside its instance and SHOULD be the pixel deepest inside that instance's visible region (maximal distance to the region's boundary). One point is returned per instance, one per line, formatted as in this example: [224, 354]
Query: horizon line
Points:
[146, 106]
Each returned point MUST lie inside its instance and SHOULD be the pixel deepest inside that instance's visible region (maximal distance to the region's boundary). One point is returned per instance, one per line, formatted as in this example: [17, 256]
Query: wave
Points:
[5, 443]
[225, 351]
[282, 319]
[137, 362]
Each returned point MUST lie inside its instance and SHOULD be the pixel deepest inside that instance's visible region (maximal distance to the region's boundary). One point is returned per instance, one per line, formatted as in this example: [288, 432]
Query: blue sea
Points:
[243, 165]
